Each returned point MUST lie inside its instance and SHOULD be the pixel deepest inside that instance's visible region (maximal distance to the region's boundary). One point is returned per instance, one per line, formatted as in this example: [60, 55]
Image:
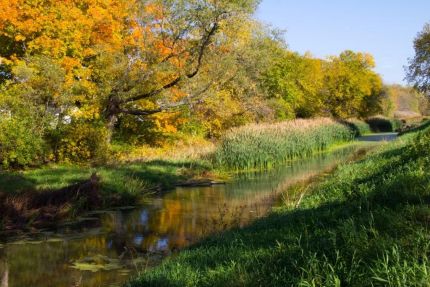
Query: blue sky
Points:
[384, 28]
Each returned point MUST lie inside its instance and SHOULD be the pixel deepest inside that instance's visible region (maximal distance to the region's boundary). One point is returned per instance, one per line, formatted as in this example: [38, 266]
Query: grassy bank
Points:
[21, 206]
[264, 145]
[134, 169]
[365, 225]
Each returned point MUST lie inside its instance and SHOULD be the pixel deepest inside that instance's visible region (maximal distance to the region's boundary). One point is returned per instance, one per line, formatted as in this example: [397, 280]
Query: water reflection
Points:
[4, 271]
[118, 243]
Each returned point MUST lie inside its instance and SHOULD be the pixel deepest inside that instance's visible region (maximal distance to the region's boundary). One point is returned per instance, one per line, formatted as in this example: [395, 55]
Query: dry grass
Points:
[187, 149]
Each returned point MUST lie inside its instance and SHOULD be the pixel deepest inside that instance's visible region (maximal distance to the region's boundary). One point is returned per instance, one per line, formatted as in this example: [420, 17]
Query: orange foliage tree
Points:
[117, 56]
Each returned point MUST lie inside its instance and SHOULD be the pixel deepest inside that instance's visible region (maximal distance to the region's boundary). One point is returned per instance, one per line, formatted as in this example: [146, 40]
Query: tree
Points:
[296, 81]
[351, 87]
[167, 54]
[418, 72]
[239, 96]
[120, 57]
[406, 101]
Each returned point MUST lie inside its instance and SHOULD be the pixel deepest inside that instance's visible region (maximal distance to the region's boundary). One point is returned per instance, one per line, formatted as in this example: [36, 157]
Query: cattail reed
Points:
[260, 146]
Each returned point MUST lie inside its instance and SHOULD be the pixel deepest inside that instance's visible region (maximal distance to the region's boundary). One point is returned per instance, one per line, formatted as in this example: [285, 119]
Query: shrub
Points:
[80, 142]
[263, 145]
[21, 143]
[381, 124]
[359, 127]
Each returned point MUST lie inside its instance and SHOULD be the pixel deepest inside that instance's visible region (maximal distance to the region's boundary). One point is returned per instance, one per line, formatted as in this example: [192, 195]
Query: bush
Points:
[80, 142]
[21, 143]
[358, 127]
[381, 124]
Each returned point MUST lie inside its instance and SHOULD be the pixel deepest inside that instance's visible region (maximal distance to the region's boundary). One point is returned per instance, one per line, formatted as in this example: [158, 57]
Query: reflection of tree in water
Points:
[4, 270]
[184, 216]
[50, 263]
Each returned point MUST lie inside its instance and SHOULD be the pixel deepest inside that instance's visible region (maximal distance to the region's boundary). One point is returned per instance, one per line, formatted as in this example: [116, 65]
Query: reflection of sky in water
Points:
[144, 217]
[138, 239]
[162, 244]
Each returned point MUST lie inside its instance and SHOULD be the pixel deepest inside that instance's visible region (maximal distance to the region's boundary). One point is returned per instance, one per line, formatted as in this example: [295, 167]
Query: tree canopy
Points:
[419, 65]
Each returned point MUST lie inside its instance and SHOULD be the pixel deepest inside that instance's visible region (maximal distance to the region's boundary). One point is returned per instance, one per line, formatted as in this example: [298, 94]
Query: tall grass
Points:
[259, 146]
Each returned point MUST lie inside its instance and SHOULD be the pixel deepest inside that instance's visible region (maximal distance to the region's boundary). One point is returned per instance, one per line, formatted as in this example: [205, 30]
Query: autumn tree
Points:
[406, 101]
[74, 73]
[239, 97]
[296, 81]
[120, 57]
[351, 87]
[171, 43]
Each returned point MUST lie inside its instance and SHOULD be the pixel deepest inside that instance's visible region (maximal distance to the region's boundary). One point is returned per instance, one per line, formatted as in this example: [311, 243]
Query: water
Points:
[106, 248]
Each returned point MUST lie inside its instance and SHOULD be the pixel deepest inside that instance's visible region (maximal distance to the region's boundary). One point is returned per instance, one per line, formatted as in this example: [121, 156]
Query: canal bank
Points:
[107, 247]
[364, 225]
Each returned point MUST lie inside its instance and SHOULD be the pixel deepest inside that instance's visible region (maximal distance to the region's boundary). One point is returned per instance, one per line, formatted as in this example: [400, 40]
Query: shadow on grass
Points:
[163, 174]
[54, 177]
[13, 182]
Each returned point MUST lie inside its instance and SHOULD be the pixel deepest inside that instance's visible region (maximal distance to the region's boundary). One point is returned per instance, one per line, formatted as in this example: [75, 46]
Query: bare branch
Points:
[173, 83]
[152, 93]
[202, 49]
[136, 112]
[167, 106]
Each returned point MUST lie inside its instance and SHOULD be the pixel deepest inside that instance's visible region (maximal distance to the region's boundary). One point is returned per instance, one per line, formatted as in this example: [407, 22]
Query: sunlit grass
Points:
[260, 146]
[124, 183]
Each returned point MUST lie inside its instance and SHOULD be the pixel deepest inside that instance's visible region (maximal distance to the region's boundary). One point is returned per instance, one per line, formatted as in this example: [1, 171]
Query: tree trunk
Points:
[111, 121]
[111, 114]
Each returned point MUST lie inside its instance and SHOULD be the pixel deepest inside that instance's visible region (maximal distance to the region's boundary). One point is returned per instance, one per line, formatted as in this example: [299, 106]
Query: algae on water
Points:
[97, 263]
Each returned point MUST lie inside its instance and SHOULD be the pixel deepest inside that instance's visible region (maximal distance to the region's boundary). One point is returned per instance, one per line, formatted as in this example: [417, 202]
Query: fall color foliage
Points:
[145, 72]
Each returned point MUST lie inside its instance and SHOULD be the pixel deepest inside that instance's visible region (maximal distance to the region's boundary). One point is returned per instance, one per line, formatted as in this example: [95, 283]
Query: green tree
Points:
[296, 81]
[351, 87]
[418, 72]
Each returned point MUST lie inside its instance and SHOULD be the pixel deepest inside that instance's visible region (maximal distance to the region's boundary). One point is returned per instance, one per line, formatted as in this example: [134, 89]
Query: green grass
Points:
[124, 183]
[264, 145]
[365, 225]
[252, 146]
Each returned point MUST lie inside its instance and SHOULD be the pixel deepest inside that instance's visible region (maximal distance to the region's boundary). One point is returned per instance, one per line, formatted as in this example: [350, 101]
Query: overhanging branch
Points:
[201, 51]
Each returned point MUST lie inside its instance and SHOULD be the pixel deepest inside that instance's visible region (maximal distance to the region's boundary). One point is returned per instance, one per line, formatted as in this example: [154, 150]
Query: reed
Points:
[260, 146]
